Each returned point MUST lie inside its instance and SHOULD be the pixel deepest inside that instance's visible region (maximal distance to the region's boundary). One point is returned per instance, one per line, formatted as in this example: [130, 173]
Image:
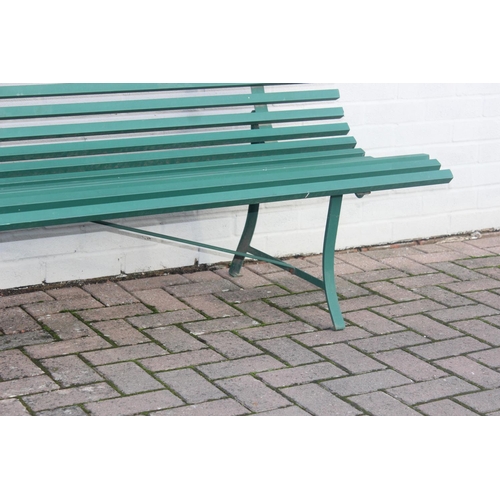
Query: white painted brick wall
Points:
[459, 124]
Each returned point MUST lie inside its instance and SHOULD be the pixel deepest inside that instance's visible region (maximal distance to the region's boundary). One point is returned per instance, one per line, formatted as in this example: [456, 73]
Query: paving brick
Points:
[125, 353]
[349, 290]
[493, 261]
[301, 374]
[69, 411]
[220, 408]
[290, 282]
[467, 249]
[153, 282]
[12, 408]
[230, 345]
[219, 325]
[416, 282]
[15, 320]
[135, 404]
[29, 385]
[253, 393]
[490, 357]
[422, 392]
[471, 371]
[66, 326]
[68, 293]
[381, 404]
[203, 288]
[24, 298]
[120, 332]
[71, 396]
[446, 348]
[114, 312]
[482, 402]
[129, 378]
[487, 298]
[368, 277]
[264, 292]
[408, 265]
[70, 370]
[362, 303]
[445, 408]
[464, 312]
[212, 306]
[319, 401]
[247, 278]
[480, 330]
[300, 299]
[55, 306]
[429, 328]
[265, 313]
[459, 272]
[110, 294]
[272, 331]
[408, 308]
[14, 364]
[160, 300]
[349, 359]
[366, 382]
[191, 386]
[241, 366]
[331, 337]
[392, 291]
[175, 340]
[67, 347]
[289, 351]
[181, 360]
[410, 366]
[361, 261]
[24, 339]
[373, 322]
[444, 297]
[165, 319]
[494, 319]
[313, 315]
[473, 285]
[288, 411]
[441, 256]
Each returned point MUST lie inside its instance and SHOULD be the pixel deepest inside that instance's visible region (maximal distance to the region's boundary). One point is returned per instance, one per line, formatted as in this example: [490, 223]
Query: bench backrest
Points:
[112, 123]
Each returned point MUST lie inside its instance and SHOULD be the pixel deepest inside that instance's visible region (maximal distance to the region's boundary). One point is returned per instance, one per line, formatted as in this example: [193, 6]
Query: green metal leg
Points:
[332, 224]
[246, 239]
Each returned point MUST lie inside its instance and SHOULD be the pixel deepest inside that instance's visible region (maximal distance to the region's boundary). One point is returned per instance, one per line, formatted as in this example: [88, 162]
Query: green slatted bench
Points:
[73, 153]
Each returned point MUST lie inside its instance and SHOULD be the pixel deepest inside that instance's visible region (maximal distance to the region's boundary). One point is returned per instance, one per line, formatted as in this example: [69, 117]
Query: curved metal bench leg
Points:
[246, 239]
[332, 224]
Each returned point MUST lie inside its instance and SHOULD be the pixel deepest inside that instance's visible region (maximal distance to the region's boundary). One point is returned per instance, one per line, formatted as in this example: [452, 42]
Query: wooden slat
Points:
[166, 104]
[157, 124]
[120, 145]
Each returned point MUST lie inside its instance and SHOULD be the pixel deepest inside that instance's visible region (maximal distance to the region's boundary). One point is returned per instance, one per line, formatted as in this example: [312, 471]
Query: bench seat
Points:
[184, 147]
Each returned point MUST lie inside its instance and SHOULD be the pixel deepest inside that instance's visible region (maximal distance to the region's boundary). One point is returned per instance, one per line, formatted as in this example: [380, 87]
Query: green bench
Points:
[73, 153]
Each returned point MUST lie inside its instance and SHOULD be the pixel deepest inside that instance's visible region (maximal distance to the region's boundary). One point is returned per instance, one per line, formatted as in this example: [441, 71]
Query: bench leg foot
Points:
[246, 239]
[332, 224]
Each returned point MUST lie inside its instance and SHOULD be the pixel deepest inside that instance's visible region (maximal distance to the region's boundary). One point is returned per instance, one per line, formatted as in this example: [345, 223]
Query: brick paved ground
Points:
[423, 338]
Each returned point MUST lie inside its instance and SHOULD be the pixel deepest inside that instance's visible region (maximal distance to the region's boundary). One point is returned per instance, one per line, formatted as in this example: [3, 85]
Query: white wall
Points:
[459, 124]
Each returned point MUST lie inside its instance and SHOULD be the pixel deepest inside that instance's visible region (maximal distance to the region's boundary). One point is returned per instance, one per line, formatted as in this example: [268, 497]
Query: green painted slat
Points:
[222, 154]
[115, 210]
[166, 104]
[156, 124]
[230, 166]
[61, 89]
[103, 146]
[168, 186]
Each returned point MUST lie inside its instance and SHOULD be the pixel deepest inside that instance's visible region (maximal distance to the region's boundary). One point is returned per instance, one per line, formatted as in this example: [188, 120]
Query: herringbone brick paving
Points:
[423, 338]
